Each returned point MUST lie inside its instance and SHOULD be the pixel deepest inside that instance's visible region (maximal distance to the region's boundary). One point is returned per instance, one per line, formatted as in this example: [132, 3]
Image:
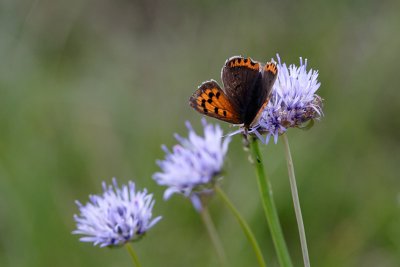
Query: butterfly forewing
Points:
[211, 100]
[269, 75]
[242, 84]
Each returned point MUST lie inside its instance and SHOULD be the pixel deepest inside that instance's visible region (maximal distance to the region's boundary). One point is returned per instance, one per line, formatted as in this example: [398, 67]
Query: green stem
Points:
[245, 227]
[296, 202]
[212, 232]
[132, 252]
[269, 207]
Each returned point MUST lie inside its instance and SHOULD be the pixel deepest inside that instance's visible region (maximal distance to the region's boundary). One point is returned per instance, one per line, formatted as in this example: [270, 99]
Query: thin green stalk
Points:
[296, 202]
[268, 203]
[212, 232]
[132, 252]
[245, 227]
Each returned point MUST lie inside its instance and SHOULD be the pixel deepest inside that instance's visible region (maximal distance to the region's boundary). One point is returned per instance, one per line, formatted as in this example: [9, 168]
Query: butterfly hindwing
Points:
[242, 81]
[211, 100]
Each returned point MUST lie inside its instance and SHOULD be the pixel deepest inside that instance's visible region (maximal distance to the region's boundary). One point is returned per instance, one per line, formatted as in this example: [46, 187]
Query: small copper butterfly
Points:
[247, 87]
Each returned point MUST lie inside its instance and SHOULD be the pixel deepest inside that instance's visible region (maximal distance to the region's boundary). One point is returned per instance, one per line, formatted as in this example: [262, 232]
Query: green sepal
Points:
[307, 125]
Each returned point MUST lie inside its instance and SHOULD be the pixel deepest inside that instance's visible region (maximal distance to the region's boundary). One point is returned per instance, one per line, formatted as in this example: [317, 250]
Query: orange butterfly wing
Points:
[269, 75]
[210, 100]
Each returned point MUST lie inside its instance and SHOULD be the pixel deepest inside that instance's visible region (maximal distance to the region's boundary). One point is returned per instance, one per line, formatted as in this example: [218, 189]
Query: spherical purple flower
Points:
[293, 102]
[118, 216]
[193, 165]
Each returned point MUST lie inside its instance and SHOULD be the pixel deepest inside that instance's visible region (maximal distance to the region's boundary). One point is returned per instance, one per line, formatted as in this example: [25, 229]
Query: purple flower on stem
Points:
[293, 102]
[118, 216]
[193, 165]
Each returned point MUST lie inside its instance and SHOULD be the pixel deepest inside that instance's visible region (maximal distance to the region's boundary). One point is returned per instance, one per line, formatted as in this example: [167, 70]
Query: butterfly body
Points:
[246, 87]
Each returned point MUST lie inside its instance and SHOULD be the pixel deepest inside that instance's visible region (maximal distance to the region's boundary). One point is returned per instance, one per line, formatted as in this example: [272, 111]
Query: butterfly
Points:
[247, 85]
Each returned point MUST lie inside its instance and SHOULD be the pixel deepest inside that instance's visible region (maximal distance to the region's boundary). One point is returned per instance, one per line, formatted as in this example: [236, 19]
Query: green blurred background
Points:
[90, 89]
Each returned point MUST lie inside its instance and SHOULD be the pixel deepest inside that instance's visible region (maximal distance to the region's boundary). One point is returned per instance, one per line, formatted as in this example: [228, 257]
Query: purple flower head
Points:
[193, 165]
[118, 216]
[293, 102]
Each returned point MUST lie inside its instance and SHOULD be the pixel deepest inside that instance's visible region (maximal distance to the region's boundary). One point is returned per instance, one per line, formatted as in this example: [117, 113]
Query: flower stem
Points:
[245, 227]
[269, 207]
[132, 252]
[296, 202]
[212, 232]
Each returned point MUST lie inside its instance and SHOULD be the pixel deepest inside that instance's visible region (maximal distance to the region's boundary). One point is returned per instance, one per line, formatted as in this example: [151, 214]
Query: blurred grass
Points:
[89, 90]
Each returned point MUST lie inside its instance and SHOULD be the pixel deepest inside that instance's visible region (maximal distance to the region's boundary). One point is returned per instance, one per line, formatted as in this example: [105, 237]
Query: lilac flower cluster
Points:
[122, 215]
[118, 216]
[293, 101]
[193, 165]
